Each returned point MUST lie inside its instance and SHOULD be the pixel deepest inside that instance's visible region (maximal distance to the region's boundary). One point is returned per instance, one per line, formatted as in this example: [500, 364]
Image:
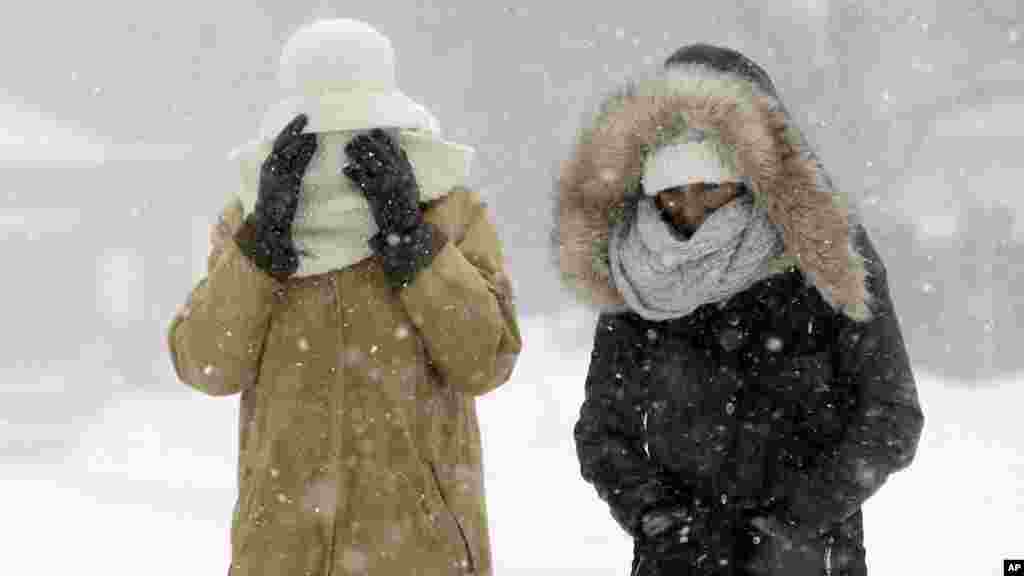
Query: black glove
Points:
[658, 524]
[663, 529]
[679, 539]
[381, 170]
[266, 235]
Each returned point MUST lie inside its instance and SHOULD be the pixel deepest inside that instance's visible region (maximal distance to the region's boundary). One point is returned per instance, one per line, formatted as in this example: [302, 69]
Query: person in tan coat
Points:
[358, 303]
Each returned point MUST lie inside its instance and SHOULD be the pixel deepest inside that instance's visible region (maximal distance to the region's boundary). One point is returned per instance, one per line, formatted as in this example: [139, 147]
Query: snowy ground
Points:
[148, 488]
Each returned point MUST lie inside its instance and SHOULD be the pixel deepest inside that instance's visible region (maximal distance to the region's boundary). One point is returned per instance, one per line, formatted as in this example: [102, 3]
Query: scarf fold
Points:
[333, 223]
[662, 277]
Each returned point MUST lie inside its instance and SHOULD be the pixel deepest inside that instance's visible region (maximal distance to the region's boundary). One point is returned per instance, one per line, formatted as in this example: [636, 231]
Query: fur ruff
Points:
[786, 177]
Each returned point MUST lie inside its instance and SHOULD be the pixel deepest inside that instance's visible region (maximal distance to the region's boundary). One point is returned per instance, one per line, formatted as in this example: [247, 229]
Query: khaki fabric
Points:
[359, 446]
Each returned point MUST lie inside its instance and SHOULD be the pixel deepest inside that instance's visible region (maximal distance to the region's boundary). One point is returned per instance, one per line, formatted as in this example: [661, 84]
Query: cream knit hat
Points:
[341, 73]
[686, 163]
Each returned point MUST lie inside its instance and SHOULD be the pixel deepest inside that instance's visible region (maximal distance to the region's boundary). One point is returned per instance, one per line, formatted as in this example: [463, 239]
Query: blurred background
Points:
[116, 119]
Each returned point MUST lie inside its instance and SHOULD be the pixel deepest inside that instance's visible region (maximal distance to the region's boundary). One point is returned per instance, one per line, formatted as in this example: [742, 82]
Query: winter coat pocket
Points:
[247, 511]
[446, 526]
[844, 551]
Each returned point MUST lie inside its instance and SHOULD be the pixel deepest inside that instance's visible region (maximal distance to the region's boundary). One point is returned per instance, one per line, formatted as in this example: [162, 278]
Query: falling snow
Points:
[134, 460]
[355, 561]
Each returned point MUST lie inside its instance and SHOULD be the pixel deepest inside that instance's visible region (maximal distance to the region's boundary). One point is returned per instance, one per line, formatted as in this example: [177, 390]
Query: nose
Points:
[688, 206]
[684, 206]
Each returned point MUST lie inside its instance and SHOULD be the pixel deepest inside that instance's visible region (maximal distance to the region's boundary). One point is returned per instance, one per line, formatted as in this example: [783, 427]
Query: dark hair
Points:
[724, 60]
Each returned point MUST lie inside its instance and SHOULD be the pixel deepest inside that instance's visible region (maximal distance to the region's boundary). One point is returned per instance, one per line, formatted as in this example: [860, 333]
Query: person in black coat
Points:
[749, 387]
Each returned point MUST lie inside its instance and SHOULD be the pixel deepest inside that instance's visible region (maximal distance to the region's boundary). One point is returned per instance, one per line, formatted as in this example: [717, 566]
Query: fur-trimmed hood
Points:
[742, 112]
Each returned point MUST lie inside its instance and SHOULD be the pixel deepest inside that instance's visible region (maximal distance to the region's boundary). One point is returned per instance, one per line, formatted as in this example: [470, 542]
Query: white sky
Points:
[30, 136]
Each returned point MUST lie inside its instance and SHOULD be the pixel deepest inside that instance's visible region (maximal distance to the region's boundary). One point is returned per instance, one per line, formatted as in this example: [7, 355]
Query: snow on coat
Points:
[359, 448]
[793, 399]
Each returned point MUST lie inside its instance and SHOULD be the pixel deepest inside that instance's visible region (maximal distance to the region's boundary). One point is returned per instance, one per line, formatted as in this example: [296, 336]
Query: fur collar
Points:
[787, 179]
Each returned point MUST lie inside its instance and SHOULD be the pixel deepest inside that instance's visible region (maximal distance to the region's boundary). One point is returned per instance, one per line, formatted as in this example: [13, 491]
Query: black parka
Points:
[792, 400]
[771, 404]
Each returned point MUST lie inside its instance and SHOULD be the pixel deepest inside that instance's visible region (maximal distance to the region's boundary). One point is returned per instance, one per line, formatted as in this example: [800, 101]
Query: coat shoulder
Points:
[456, 212]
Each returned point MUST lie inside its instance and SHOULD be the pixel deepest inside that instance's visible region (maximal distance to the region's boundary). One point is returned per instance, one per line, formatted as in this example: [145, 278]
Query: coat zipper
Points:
[828, 557]
[340, 498]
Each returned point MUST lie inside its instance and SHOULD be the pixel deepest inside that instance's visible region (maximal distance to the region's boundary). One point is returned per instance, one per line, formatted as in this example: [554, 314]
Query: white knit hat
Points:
[686, 163]
[341, 74]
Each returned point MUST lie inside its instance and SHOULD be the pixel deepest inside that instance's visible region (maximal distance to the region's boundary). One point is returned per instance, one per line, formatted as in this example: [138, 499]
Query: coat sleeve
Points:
[462, 303]
[610, 433]
[216, 338]
[882, 435]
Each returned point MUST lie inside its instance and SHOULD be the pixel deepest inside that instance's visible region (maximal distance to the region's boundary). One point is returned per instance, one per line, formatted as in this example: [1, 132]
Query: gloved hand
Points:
[683, 540]
[658, 523]
[382, 171]
[266, 235]
[666, 528]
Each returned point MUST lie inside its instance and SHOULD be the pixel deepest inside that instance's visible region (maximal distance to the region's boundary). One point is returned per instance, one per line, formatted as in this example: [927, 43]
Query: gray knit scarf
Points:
[661, 276]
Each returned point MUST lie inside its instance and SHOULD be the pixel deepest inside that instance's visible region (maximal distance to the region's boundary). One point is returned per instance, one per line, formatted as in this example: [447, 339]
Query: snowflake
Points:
[355, 561]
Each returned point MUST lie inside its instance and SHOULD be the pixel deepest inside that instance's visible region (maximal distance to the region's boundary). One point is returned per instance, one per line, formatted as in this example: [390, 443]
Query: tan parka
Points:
[359, 446]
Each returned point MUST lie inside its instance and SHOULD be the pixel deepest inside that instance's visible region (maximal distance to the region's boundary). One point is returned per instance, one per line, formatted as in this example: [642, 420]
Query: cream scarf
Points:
[662, 277]
[333, 224]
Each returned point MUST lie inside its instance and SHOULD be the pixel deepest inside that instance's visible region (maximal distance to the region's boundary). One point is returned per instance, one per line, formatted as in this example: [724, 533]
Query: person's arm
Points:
[610, 440]
[216, 338]
[446, 265]
[882, 436]
[461, 303]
